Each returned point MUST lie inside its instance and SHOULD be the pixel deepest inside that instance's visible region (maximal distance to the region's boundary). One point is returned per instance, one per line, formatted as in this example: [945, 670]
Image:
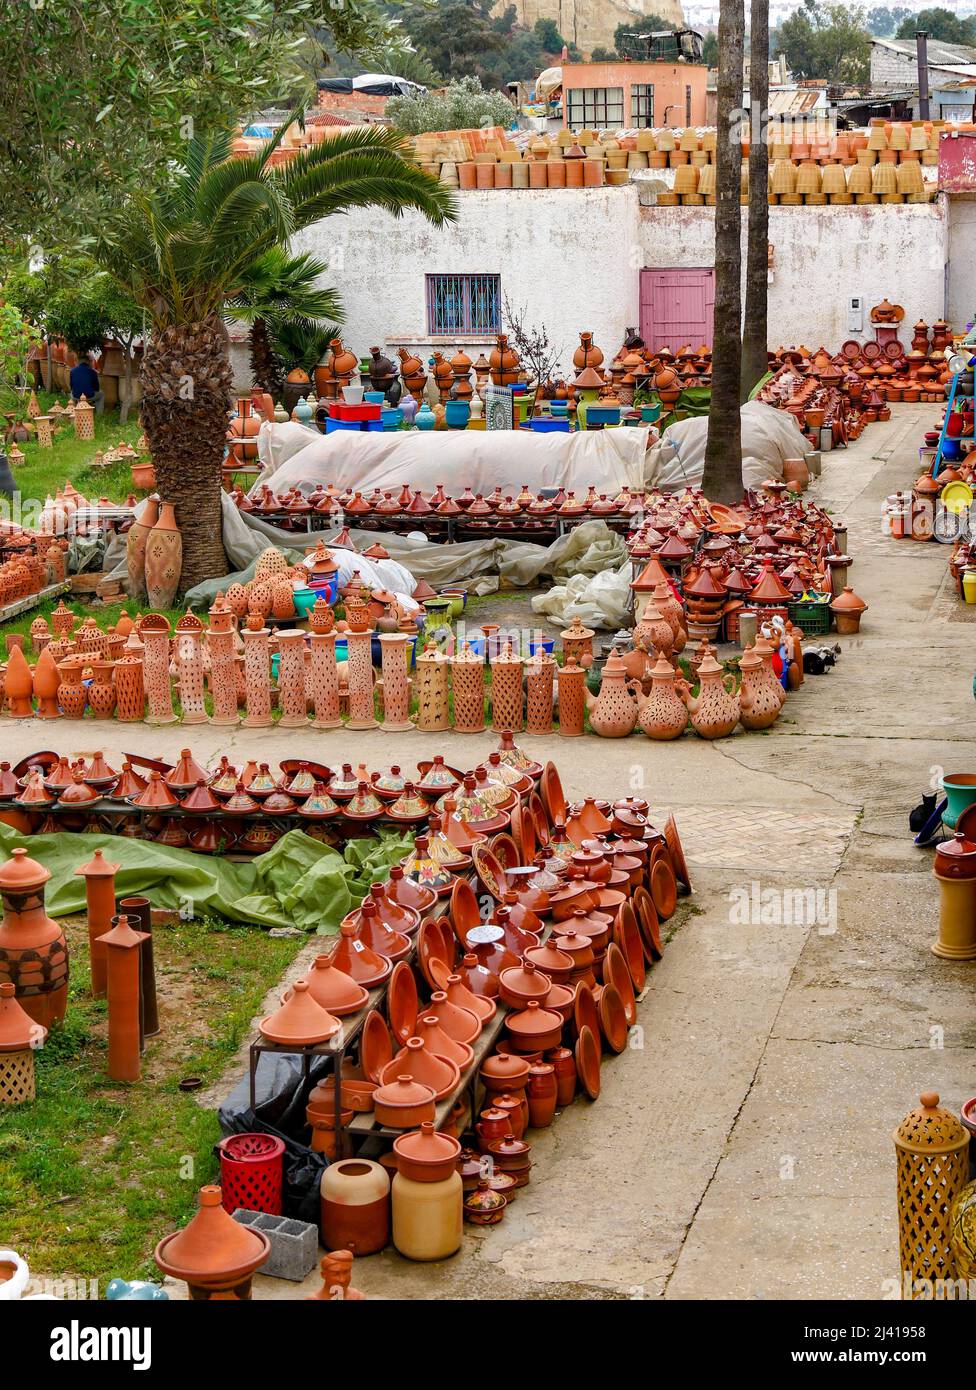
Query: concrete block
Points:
[294, 1244]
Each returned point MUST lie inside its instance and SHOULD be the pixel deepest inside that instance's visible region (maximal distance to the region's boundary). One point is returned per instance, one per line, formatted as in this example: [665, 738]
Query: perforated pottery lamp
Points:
[19, 1036]
[933, 1165]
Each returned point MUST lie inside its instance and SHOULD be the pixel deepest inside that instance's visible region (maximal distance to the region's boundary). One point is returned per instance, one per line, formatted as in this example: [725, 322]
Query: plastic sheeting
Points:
[298, 882]
[600, 601]
[769, 438]
[480, 459]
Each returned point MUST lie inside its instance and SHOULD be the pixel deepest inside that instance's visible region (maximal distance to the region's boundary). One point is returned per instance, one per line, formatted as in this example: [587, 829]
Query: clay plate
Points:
[677, 853]
[491, 874]
[552, 794]
[464, 911]
[540, 822]
[627, 935]
[664, 889]
[375, 1046]
[430, 946]
[616, 973]
[588, 1063]
[401, 1002]
[505, 850]
[585, 1011]
[871, 351]
[646, 914]
[613, 1018]
[523, 832]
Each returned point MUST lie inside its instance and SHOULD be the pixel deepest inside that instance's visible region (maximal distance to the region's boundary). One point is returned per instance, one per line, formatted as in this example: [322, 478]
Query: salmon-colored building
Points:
[629, 96]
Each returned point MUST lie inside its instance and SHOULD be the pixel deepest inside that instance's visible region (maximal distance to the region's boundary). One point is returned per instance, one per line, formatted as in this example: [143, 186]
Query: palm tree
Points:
[754, 360]
[722, 481]
[279, 289]
[182, 253]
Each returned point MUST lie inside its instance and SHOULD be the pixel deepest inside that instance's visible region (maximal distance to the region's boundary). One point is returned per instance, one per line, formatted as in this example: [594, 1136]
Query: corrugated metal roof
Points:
[941, 54]
[792, 101]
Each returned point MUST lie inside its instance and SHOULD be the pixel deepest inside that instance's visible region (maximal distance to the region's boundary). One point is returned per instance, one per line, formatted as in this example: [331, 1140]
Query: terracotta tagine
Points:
[214, 1254]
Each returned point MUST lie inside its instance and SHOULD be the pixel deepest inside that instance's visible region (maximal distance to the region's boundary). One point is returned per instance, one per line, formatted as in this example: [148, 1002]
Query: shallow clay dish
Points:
[540, 821]
[523, 833]
[402, 1002]
[553, 798]
[588, 1063]
[627, 935]
[650, 931]
[677, 853]
[664, 888]
[375, 1046]
[465, 913]
[613, 1018]
[616, 973]
[505, 849]
[585, 1011]
[491, 873]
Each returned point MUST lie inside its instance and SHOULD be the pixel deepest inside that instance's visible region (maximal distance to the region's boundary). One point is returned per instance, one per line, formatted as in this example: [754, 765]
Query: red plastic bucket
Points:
[251, 1172]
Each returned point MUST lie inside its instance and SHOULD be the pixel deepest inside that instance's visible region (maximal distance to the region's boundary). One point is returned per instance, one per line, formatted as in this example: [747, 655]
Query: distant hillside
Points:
[591, 23]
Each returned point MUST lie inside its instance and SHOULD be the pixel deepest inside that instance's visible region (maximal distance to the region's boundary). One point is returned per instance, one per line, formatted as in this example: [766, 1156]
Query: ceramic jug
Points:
[715, 709]
[663, 713]
[613, 713]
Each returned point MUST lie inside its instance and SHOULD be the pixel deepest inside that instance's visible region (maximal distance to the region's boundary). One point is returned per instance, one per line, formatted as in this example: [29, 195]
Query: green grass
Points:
[45, 470]
[95, 1172]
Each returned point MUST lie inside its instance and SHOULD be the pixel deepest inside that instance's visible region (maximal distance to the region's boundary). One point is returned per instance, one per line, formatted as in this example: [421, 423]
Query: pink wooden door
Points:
[676, 307]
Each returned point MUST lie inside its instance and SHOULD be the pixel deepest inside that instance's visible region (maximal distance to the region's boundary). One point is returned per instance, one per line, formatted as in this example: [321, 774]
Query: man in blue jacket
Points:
[84, 382]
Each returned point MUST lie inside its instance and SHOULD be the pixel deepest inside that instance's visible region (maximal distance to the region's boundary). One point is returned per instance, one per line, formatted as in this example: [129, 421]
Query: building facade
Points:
[633, 96]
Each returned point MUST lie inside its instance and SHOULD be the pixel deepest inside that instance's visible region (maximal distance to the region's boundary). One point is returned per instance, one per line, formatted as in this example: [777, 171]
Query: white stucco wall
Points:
[962, 263]
[822, 257]
[573, 259]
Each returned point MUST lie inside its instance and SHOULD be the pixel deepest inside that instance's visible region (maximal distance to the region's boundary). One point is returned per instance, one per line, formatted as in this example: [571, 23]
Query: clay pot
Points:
[354, 1197]
[164, 559]
[543, 1094]
[33, 950]
[214, 1254]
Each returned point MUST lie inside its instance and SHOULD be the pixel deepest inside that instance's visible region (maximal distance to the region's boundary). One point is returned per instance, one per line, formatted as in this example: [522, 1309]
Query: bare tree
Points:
[723, 452]
[539, 355]
[754, 360]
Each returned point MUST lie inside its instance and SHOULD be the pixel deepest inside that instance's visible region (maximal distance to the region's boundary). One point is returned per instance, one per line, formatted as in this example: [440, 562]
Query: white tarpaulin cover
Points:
[769, 437]
[295, 456]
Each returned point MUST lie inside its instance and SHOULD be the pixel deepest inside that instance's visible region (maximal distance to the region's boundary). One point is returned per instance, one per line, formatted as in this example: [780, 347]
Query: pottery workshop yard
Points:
[487, 584]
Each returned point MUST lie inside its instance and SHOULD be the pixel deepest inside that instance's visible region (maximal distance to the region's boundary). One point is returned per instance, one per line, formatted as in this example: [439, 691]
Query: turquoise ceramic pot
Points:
[457, 414]
[425, 419]
[960, 789]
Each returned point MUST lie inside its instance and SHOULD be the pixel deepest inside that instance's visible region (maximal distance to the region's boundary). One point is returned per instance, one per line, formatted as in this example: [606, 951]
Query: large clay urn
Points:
[33, 951]
[613, 713]
[715, 709]
[662, 714]
[136, 539]
[214, 1254]
[164, 559]
[587, 354]
[503, 362]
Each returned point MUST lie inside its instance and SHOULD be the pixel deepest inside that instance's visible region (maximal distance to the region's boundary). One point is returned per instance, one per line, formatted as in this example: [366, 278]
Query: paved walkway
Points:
[743, 1150]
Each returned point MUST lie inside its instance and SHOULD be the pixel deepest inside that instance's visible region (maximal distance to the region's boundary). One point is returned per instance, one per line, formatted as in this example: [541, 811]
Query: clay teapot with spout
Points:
[663, 713]
[613, 713]
[715, 709]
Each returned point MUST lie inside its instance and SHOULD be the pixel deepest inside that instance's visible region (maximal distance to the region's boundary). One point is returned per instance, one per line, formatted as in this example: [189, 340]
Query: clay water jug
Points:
[715, 709]
[759, 703]
[613, 713]
[654, 632]
[663, 714]
[135, 545]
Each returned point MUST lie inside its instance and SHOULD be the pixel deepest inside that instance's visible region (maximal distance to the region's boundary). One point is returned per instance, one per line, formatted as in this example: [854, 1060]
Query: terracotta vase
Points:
[33, 950]
[136, 540]
[188, 652]
[130, 693]
[46, 681]
[101, 692]
[154, 632]
[292, 696]
[18, 685]
[759, 703]
[715, 709]
[542, 1092]
[72, 695]
[663, 713]
[164, 559]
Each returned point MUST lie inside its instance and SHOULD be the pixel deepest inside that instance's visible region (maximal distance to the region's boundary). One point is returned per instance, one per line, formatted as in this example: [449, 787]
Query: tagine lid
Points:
[97, 867]
[403, 1092]
[212, 1244]
[299, 1020]
[848, 602]
[17, 1029]
[930, 1128]
[426, 1146]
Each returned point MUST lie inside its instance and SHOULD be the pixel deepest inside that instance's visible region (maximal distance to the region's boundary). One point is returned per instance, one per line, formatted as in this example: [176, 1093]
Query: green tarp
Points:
[299, 882]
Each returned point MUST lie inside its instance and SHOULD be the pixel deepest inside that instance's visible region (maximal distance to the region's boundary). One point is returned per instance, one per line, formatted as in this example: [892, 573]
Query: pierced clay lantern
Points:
[933, 1165]
[19, 1036]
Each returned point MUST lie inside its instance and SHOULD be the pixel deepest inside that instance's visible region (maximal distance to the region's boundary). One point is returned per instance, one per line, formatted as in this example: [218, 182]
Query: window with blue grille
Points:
[464, 305]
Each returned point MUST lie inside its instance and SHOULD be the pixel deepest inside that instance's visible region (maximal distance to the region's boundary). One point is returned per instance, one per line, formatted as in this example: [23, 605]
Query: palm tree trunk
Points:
[754, 360]
[264, 368]
[186, 389]
[723, 452]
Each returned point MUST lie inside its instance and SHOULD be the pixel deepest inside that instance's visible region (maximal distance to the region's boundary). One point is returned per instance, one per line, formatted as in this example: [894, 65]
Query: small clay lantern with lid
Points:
[933, 1166]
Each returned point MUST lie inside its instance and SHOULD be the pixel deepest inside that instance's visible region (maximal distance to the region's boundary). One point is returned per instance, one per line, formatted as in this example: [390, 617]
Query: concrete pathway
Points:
[742, 1148]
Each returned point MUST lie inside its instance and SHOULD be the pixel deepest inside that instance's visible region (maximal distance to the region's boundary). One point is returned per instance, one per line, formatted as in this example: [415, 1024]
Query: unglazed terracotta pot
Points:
[759, 703]
[715, 709]
[663, 713]
[164, 559]
[433, 690]
[571, 682]
[355, 1206]
[33, 950]
[613, 713]
[136, 540]
[101, 692]
[540, 682]
[72, 695]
